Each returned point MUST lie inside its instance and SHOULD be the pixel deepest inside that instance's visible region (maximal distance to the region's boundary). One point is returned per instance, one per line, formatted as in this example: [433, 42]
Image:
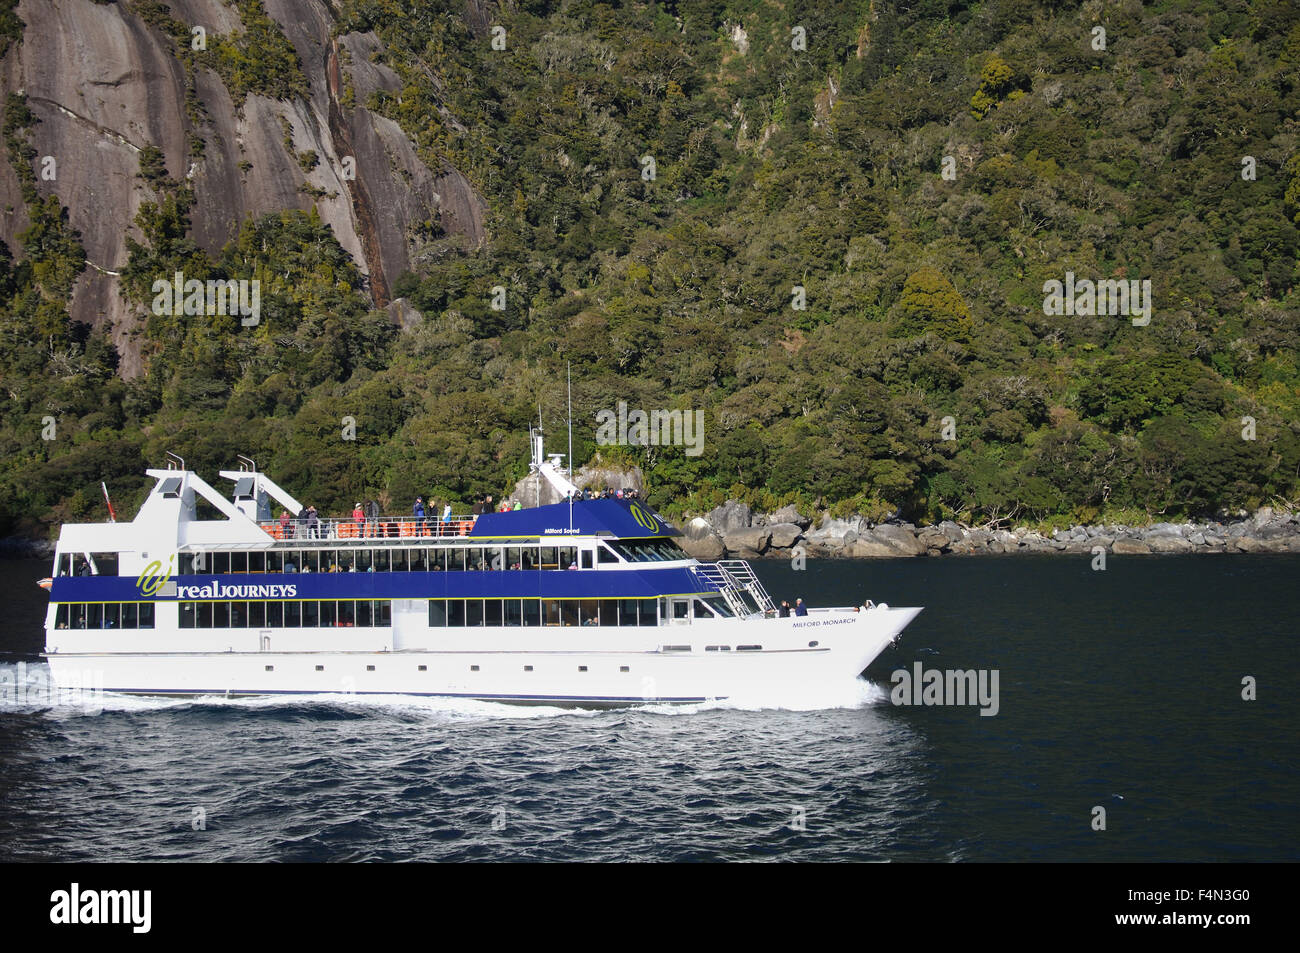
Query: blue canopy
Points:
[620, 519]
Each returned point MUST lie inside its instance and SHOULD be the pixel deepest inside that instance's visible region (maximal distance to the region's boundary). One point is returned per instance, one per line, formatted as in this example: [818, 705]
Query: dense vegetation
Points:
[820, 168]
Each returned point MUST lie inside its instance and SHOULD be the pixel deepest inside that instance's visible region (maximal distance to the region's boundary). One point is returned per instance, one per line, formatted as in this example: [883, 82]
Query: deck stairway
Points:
[735, 579]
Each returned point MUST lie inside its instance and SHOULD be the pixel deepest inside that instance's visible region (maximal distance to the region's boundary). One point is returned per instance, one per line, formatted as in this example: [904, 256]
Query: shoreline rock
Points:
[734, 531]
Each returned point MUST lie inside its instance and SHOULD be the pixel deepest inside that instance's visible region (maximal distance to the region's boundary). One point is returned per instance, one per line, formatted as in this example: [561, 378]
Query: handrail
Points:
[349, 529]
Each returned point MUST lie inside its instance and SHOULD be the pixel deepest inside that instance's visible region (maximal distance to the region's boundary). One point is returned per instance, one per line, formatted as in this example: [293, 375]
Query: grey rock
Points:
[784, 535]
[1129, 547]
[900, 538]
[952, 530]
[790, 514]
[748, 544]
[1169, 544]
[731, 517]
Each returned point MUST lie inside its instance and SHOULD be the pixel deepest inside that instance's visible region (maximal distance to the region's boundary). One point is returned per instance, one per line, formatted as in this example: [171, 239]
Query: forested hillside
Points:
[661, 179]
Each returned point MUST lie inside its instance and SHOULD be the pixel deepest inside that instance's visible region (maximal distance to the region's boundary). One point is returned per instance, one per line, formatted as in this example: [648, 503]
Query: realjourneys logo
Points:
[76, 906]
[152, 578]
[950, 687]
[215, 590]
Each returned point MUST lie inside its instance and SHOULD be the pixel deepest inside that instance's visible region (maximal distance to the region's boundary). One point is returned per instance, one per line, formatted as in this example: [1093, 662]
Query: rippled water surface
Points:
[1118, 689]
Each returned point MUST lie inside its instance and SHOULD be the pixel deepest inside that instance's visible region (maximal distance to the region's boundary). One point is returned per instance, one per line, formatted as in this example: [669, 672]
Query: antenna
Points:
[570, 373]
[172, 458]
[246, 463]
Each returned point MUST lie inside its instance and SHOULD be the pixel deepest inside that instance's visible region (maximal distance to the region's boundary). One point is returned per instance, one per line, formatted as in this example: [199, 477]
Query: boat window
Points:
[238, 615]
[256, 615]
[220, 564]
[589, 612]
[292, 614]
[551, 611]
[550, 558]
[568, 611]
[496, 558]
[310, 614]
[220, 615]
[348, 612]
[383, 612]
[473, 611]
[203, 615]
[399, 561]
[586, 556]
[438, 559]
[257, 562]
[647, 550]
[61, 616]
[568, 557]
[528, 557]
[627, 612]
[275, 613]
[477, 559]
[187, 615]
[514, 614]
[438, 612]
[111, 618]
[492, 612]
[365, 613]
[275, 562]
[532, 612]
[609, 612]
[681, 608]
[648, 614]
[457, 559]
[513, 559]
[605, 555]
[239, 562]
[130, 615]
[456, 612]
[419, 559]
[719, 605]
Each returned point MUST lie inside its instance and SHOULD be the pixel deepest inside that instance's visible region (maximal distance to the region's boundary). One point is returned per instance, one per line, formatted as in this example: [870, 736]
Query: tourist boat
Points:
[582, 602]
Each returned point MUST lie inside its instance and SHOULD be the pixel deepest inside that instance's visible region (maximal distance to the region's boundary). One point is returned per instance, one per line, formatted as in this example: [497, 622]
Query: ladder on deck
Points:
[733, 578]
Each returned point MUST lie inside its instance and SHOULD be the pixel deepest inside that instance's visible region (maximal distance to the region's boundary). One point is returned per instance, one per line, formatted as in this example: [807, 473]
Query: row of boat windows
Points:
[450, 559]
[537, 612]
[104, 615]
[308, 614]
[605, 612]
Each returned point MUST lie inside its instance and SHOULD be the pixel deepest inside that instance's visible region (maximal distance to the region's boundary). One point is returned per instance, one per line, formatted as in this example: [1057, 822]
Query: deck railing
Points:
[384, 527]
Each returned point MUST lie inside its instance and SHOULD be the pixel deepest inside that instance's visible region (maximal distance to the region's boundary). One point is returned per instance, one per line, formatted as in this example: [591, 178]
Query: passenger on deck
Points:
[784, 610]
[518, 505]
[313, 522]
[800, 608]
[418, 511]
[372, 514]
[284, 524]
[289, 566]
[477, 509]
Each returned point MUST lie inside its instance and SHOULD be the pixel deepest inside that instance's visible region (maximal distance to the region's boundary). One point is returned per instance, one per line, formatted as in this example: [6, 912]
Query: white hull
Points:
[581, 666]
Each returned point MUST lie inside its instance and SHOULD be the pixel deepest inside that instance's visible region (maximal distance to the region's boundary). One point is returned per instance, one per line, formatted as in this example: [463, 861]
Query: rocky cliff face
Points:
[104, 83]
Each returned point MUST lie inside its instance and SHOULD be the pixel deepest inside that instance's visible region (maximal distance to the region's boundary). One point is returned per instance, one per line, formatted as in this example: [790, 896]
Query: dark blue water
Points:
[1118, 689]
